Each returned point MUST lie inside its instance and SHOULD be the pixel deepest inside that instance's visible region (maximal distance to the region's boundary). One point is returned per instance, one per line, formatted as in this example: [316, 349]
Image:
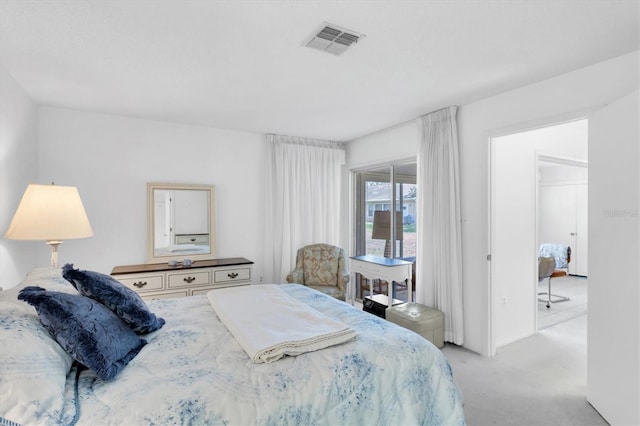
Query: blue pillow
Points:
[88, 331]
[123, 301]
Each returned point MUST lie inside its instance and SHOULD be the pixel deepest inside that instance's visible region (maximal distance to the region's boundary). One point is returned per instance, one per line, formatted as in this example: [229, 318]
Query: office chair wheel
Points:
[548, 305]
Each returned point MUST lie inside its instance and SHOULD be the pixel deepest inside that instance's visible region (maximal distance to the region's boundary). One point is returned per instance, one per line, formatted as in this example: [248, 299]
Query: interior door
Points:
[613, 322]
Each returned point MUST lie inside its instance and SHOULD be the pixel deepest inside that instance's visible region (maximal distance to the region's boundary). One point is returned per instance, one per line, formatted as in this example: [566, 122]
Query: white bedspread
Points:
[269, 324]
[194, 372]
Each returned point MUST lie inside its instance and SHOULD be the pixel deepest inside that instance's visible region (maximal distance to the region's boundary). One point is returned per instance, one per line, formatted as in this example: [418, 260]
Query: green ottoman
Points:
[427, 322]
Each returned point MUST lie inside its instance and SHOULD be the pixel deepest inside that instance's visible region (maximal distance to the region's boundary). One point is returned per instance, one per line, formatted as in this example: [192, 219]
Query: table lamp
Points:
[51, 213]
[382, 228]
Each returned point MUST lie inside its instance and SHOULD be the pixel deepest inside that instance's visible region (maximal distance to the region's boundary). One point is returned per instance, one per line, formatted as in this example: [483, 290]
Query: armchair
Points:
[322, 267]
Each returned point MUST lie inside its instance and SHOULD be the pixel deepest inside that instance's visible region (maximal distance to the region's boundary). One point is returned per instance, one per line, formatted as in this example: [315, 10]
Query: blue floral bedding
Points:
[193, 372]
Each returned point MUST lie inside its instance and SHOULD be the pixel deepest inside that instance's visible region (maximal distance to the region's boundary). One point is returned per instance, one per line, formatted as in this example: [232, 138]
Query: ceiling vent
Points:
[333, 39]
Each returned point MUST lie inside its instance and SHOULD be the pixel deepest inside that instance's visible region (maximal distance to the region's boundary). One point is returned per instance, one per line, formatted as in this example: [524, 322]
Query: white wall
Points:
[613, 354]
[514, 241]
[569, 95]
[566, 96]
[18, 168]
[111, 158]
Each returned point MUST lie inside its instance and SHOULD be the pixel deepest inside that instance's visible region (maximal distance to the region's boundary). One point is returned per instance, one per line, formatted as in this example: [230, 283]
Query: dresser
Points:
[159, 280]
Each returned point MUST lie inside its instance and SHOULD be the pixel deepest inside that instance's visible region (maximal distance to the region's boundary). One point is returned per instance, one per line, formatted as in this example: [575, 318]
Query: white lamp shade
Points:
[50, 212]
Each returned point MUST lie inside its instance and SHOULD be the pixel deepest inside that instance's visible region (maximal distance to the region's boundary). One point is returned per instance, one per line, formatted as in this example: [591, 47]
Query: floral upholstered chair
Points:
[322, 267]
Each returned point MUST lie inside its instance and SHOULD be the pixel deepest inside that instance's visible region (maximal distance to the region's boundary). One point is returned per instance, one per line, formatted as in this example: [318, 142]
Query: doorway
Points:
[513, 235]
[562, 219]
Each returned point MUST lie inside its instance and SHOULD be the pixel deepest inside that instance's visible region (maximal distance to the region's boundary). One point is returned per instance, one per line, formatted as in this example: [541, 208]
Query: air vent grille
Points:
[333, 39]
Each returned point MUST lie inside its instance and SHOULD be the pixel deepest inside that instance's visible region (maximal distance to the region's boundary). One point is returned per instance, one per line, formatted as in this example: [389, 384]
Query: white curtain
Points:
[439, 269]
[302, 199]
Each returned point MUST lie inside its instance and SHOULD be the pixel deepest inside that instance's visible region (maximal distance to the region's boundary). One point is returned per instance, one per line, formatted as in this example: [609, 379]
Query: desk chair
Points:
[553, 262]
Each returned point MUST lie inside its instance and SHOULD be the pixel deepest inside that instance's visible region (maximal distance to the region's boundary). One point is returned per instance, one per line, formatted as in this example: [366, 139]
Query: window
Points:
[386, 188]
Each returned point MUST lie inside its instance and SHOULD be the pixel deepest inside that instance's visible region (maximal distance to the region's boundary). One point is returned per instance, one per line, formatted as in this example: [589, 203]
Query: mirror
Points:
[181, 222]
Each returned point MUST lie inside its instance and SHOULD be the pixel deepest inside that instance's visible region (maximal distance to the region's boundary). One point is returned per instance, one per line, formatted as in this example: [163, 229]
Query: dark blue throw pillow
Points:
[123, 301]
[88, 331]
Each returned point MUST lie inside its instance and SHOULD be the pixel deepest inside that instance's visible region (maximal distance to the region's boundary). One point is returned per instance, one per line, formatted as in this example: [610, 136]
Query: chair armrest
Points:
[343, 281]
[296, 276]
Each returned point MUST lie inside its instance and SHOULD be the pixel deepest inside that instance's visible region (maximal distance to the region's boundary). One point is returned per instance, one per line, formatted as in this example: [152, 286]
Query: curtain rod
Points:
[384, 129]
[299, 140]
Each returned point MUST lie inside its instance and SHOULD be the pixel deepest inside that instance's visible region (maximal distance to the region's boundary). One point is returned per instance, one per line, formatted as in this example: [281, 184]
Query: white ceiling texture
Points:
[242, 64]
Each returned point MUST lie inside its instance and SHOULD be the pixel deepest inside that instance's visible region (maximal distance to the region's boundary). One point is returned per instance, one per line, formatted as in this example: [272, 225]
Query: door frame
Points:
[357, 201]
[489, 335]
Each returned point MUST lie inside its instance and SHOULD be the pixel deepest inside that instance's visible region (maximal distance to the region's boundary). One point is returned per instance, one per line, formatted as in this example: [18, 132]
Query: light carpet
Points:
[571, 286]
[540, 380]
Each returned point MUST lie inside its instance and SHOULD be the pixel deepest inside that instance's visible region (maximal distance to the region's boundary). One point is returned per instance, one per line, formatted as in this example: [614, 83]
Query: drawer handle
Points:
[189, 279]
[192, 239]
[140, 284]
[232, 274]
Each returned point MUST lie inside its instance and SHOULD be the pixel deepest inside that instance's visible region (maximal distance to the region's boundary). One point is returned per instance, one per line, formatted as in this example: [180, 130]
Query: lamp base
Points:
[387, 248]
[54, 252]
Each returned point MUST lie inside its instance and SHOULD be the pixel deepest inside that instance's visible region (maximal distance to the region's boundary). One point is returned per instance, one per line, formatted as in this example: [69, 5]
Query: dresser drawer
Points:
[189, 279]
[192, 239]
[142, 283]
[235, 274]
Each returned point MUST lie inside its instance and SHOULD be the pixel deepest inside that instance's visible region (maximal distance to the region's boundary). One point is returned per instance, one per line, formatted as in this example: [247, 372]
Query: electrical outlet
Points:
[504, 301]
[260, 278]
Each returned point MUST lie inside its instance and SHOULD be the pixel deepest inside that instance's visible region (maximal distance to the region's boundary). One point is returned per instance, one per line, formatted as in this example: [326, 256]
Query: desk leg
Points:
[370, 281]
[410, 284]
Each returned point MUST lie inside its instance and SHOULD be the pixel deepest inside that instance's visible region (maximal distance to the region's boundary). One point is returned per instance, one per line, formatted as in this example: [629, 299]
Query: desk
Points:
[384, 268]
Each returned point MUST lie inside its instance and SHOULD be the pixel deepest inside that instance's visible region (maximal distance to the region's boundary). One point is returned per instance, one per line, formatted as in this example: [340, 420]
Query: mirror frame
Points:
[151, 256]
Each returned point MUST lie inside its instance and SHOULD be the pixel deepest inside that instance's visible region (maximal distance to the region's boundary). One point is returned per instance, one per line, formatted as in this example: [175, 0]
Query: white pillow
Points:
[33, 366]
[47, 278]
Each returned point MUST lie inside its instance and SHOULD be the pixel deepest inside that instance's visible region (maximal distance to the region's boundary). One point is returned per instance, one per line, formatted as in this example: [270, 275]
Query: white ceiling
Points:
[242, 65]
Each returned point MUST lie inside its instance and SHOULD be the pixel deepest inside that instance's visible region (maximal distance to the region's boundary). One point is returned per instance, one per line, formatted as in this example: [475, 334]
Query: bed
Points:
[193, 371]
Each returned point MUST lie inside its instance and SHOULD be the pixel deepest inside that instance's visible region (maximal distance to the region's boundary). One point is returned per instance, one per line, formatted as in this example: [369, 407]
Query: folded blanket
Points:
[269, 324]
